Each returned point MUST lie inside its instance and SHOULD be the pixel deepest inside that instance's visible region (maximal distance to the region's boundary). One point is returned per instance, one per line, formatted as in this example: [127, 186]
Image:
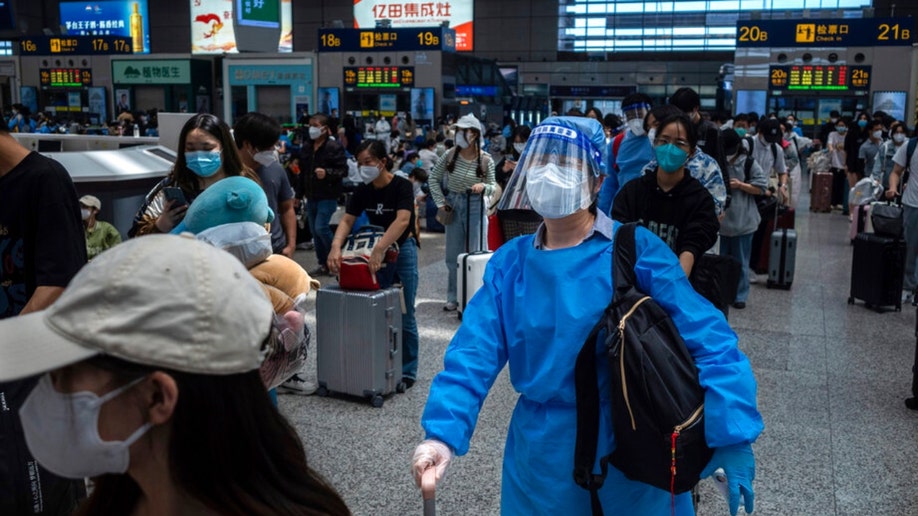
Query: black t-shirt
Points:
[382, 204]
[41, 232]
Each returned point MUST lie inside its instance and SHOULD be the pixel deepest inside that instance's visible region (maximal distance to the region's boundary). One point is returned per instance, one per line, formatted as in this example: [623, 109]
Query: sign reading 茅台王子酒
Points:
[167, 71]
[846, 32]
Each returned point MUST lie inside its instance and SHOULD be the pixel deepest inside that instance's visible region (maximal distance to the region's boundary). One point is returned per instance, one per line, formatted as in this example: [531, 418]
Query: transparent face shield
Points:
[556, 175]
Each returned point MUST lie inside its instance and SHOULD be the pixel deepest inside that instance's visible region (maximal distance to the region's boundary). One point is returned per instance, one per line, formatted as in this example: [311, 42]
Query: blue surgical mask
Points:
[203, 163]
[670, 158]
[862, 123]
[841, 129]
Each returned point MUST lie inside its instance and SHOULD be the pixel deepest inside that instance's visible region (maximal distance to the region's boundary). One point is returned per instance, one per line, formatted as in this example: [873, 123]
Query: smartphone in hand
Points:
[174, 193]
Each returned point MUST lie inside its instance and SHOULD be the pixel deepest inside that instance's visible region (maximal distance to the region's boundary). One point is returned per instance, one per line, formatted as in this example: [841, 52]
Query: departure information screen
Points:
[819, 78]
[65, 77]
[379, 76]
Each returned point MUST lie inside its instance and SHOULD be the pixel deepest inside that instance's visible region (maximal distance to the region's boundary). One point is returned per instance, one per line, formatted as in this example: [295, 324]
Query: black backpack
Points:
[657, 402]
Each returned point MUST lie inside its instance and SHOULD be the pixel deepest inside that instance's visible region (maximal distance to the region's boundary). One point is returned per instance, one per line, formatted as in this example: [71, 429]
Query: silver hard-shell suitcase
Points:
[782, 258]
[359, 342]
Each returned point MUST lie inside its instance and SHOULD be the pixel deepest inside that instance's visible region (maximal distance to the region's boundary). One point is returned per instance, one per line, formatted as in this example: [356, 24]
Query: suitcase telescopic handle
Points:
[429, 491]
[468, 220]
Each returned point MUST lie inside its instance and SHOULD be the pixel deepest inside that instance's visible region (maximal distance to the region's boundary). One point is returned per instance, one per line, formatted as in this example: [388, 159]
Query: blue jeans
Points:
[407, 269]
[319, 213]
[739, 248]
[910, 218]
[457, 233]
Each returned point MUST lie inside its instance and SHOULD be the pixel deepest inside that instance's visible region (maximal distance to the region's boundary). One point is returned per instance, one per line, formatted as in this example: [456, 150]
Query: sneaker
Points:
[296, 384]
[739, 305]
[319, 271]
[409, 382]
[907, 297]
[450, 307]
[306, 246]
[753, 277]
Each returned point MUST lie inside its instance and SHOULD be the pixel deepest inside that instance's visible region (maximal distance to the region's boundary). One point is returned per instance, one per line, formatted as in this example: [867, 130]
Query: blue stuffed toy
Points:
[233, 199]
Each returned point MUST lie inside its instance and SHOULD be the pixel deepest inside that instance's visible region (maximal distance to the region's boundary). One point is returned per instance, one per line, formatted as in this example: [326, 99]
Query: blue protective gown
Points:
[534, 311]
[633, 155]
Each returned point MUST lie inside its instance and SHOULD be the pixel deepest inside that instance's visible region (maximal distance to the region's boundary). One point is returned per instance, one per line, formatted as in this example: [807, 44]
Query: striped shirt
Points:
[461, 178]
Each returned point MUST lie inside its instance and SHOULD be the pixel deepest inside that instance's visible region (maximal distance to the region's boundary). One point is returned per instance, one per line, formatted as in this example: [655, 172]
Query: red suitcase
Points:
[821, 194]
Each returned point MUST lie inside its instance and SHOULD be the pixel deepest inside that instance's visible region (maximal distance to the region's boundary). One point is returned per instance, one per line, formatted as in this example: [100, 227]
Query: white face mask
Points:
[636, 125]
[877, 135]
[62, 432]
[368, 173]
[899, 137]
[315, 132]
[518, 147]
[84, 213]
[461, 141]
[265, 157]
[652, 135]
[555, 193]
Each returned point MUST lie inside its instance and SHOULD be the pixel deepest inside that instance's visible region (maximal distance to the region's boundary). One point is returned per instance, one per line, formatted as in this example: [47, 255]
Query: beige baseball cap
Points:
[91, 200]
[159, 300]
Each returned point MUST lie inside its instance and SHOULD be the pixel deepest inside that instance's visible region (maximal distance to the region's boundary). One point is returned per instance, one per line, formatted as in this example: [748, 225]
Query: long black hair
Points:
[229, 155]
[229, 449]
[451, 164]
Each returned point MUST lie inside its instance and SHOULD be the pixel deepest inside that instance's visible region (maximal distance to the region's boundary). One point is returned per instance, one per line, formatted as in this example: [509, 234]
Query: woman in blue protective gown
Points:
[541, 296]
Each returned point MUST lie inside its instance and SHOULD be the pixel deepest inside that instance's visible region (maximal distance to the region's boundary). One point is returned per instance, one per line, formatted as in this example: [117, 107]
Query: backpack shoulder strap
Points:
[586, 379]
[747, 167]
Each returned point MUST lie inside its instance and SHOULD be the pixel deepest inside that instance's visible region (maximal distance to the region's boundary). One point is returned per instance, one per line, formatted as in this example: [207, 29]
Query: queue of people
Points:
[665, 170]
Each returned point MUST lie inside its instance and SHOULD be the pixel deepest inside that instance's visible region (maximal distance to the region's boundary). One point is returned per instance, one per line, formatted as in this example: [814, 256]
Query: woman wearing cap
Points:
[207, 154]
[158, 396]
[668, 201]
[541, 296]
[467, 168]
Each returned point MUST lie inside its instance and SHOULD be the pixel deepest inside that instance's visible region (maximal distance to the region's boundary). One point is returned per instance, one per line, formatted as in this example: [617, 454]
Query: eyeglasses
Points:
[682, 144]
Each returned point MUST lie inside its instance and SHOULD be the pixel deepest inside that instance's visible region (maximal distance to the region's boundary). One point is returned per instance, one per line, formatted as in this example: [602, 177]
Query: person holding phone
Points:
[207, 154]
[507, 165]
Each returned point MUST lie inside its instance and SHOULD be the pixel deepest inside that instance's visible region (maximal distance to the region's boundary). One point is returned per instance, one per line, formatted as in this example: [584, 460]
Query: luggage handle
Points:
[393, 332]
[429, 491]
[468, 221]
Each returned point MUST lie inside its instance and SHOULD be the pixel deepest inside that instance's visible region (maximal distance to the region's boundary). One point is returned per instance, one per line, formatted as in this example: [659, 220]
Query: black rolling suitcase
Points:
[876, 271]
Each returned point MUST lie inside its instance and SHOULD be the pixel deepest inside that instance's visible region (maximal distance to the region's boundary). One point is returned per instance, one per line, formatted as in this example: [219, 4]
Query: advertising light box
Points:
[127, 18]
[213, 23]
[414, 14]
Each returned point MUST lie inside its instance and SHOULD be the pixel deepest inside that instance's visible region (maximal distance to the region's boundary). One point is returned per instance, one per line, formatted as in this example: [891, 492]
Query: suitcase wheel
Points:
[322, 391]
[377, 400]
[400, 387]
[850, 300]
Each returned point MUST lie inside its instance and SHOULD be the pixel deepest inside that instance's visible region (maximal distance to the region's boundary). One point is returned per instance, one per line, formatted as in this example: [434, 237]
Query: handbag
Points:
[354, 272]
[445, 214]
[657, 402]
[361, 243]
[887, 219]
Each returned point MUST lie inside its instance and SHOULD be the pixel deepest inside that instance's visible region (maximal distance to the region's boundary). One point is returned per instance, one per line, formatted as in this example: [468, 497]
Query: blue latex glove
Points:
[738, 463]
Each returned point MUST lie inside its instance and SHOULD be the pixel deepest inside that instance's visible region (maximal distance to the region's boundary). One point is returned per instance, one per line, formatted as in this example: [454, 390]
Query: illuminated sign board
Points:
[213, 23]
[819, 78]
[378, 77]
[847, 32]
[415, 14]
[109, 18]
[65, 77]
[160, 71]
[399, 40]
[74, 45]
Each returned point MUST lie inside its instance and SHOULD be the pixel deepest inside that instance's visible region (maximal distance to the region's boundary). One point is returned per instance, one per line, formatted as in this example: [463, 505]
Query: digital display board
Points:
[127, 18]
[400, 40]
[65, 77]
[413, 14]
[213, 23]
[847, 32]
[819, 78]
[378, 76]
[74, 45]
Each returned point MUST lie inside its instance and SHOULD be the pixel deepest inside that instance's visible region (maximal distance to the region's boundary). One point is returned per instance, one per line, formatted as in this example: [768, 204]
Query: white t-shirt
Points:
[910, 194]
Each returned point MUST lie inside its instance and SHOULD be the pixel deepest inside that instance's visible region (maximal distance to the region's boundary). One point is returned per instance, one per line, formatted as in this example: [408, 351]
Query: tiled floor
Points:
[832, 378]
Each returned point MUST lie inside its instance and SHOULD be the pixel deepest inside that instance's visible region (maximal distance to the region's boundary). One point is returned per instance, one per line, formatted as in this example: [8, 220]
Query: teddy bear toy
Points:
[232, 214]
